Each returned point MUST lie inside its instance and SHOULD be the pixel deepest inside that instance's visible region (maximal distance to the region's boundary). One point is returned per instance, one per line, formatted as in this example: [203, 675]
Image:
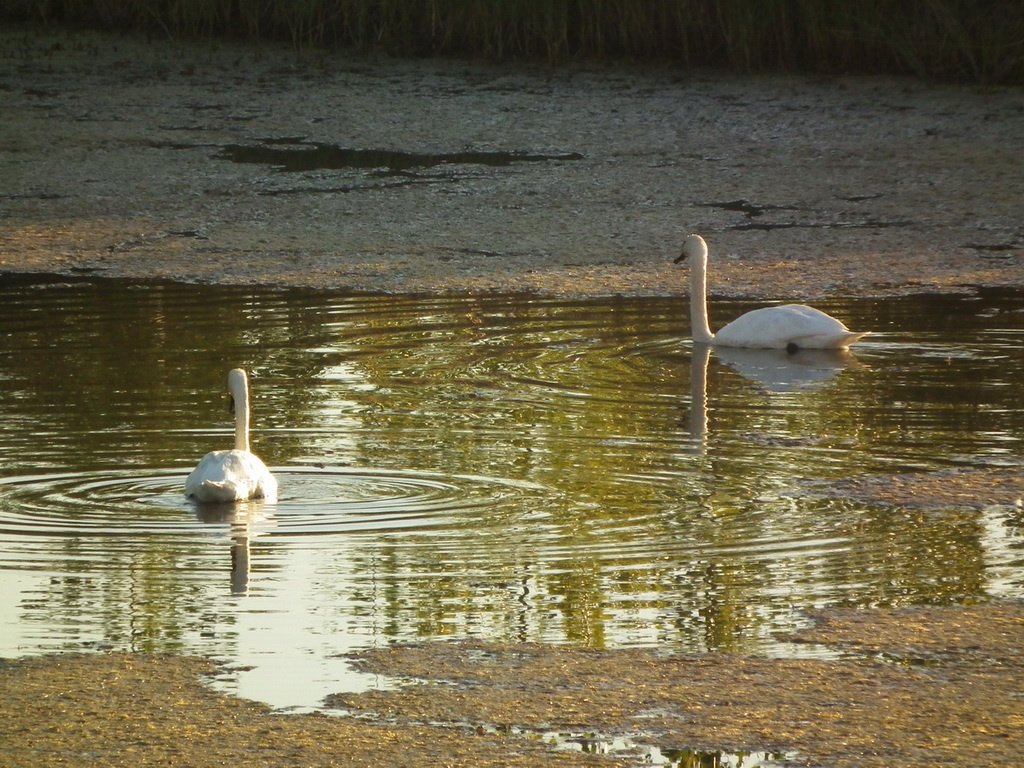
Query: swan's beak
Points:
[681, 258]
[231, 405]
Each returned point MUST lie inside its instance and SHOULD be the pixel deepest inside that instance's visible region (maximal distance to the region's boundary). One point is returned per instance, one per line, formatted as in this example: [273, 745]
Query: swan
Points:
[789, 326]
[238, 474]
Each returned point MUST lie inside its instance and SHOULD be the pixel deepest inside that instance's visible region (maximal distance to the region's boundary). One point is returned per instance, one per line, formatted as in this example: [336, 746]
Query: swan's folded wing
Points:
[224, 476]
[785, 326]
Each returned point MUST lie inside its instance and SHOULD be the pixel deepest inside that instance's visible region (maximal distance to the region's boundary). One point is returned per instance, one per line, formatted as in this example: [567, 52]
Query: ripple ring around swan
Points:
[313, 500]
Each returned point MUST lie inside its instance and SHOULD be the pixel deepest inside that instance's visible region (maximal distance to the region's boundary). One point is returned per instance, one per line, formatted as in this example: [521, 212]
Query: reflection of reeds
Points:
[949, 39]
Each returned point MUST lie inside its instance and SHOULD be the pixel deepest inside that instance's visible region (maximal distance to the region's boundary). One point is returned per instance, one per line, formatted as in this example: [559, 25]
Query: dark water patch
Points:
[39, 93]
[180, 145]
[349, 188]
[996, 250]
[860, 198]
[754, 210]
[196, 234]
[749, 209]
[296, 155]
[33, 196]
[869, 224]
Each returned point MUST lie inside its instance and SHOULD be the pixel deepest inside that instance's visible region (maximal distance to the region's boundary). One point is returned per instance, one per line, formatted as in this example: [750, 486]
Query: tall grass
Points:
[963, 40]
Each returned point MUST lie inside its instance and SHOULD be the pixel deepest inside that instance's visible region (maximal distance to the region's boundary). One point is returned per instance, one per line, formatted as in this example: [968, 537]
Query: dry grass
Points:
[946, 39]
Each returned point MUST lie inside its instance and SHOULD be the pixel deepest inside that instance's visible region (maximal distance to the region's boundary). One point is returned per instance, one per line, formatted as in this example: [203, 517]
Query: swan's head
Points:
[694, 247]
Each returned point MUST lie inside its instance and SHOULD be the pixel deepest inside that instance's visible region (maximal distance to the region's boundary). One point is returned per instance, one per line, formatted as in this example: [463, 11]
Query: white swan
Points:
[235, 475]
[789, 326]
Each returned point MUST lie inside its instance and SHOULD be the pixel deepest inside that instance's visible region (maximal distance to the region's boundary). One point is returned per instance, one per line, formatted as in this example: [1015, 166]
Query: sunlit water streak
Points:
[498, 466]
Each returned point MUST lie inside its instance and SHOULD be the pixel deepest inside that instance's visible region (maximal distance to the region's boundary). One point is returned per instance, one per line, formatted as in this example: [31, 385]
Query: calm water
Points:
[494, 466]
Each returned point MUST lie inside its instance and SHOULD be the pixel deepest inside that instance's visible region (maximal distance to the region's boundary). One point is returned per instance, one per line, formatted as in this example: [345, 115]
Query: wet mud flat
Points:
[124, 709]
[950, 686]
[217, 162]
[920, 686]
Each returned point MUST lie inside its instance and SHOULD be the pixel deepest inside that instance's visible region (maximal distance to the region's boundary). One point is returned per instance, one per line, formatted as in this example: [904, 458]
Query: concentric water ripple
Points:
[313, 501]
[500, 466]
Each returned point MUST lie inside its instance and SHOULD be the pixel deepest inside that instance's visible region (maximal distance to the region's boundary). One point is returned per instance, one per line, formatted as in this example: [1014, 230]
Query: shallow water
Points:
[499, 466]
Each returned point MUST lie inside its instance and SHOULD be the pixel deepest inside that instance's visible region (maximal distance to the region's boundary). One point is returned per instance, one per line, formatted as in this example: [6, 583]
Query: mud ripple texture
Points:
[919, 686]
[922, 686]
[113, 163]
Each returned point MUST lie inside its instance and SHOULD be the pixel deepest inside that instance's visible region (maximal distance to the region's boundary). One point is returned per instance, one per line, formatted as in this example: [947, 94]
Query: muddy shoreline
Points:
[129, 158]
[919, 686]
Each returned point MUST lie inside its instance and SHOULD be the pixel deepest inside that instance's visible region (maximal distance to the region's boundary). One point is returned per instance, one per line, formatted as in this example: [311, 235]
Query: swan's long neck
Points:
[239, 386]
[699, 298]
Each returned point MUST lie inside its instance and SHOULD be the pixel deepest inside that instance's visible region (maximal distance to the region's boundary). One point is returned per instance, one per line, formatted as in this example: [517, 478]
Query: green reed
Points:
[940, 39]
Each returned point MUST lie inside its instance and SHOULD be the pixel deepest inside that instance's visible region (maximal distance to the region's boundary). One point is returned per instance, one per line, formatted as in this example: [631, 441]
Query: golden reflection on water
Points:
[501, 466]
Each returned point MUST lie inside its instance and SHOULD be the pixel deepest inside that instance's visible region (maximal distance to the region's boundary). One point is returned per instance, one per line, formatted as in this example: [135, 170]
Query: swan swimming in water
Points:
[789, 326]
[238, 474]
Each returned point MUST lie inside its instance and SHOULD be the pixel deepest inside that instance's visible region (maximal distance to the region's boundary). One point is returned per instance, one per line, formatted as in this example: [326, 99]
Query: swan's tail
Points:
[853, 336]
[826, 341]
[215, 492]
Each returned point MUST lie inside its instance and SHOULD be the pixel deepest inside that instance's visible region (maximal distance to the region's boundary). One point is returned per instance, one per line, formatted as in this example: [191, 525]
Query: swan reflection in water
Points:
[774, 370]
[246, 521]
[780, 371]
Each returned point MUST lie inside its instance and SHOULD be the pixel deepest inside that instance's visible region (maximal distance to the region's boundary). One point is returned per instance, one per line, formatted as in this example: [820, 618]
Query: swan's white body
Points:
[789, 326]
[235, 475]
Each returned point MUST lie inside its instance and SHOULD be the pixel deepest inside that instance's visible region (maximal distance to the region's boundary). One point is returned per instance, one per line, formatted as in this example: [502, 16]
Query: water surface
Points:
[497, 466]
